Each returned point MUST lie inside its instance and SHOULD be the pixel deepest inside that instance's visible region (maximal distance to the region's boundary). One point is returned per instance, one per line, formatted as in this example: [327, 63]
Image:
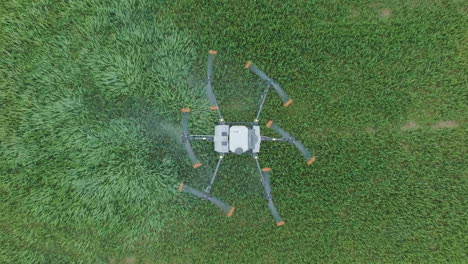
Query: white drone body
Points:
[238, 138]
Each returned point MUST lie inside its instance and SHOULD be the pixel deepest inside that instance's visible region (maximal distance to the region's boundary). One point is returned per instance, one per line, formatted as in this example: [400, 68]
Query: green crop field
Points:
[90, 149]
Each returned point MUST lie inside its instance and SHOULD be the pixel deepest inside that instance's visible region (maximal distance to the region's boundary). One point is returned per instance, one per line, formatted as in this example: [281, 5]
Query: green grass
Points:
[90, 94]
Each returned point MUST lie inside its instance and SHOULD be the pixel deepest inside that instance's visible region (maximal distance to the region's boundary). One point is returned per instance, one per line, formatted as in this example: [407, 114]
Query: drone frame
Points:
[264, 172]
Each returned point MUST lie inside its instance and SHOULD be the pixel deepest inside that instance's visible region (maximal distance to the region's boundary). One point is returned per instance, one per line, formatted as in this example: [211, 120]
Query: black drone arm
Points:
[290, 139]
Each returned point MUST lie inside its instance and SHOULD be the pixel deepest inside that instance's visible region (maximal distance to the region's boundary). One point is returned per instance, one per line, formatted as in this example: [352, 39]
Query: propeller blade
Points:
[278, 129]
[271, 205]
[282, 94]
[191, 190]
[303, 150]
[275, 214]
[266, 182]
[228, 210]
[305, 153]
[185, 127]
[193, 158]
[211, 97]
[185, 133]
[211, 58]
[209, 77]
[249, 65]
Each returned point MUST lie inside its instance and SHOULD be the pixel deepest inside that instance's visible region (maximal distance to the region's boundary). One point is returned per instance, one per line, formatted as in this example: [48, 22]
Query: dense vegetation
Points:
[90, 94]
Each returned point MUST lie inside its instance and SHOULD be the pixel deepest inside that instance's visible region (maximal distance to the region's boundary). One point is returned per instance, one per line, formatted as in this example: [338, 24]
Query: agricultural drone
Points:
[238, 138]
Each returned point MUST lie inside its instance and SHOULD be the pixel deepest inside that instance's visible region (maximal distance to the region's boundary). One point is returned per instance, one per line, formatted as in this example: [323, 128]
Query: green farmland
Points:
[90, 149]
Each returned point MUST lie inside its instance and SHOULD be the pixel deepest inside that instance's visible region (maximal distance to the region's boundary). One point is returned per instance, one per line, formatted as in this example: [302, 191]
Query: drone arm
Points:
[209, 88]
[262, 102]
[282, 94]
[265, 178]
[273, 139]
[201, 137]
[208, 189]
[185, 138]
[290, 139]
[229, 210]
